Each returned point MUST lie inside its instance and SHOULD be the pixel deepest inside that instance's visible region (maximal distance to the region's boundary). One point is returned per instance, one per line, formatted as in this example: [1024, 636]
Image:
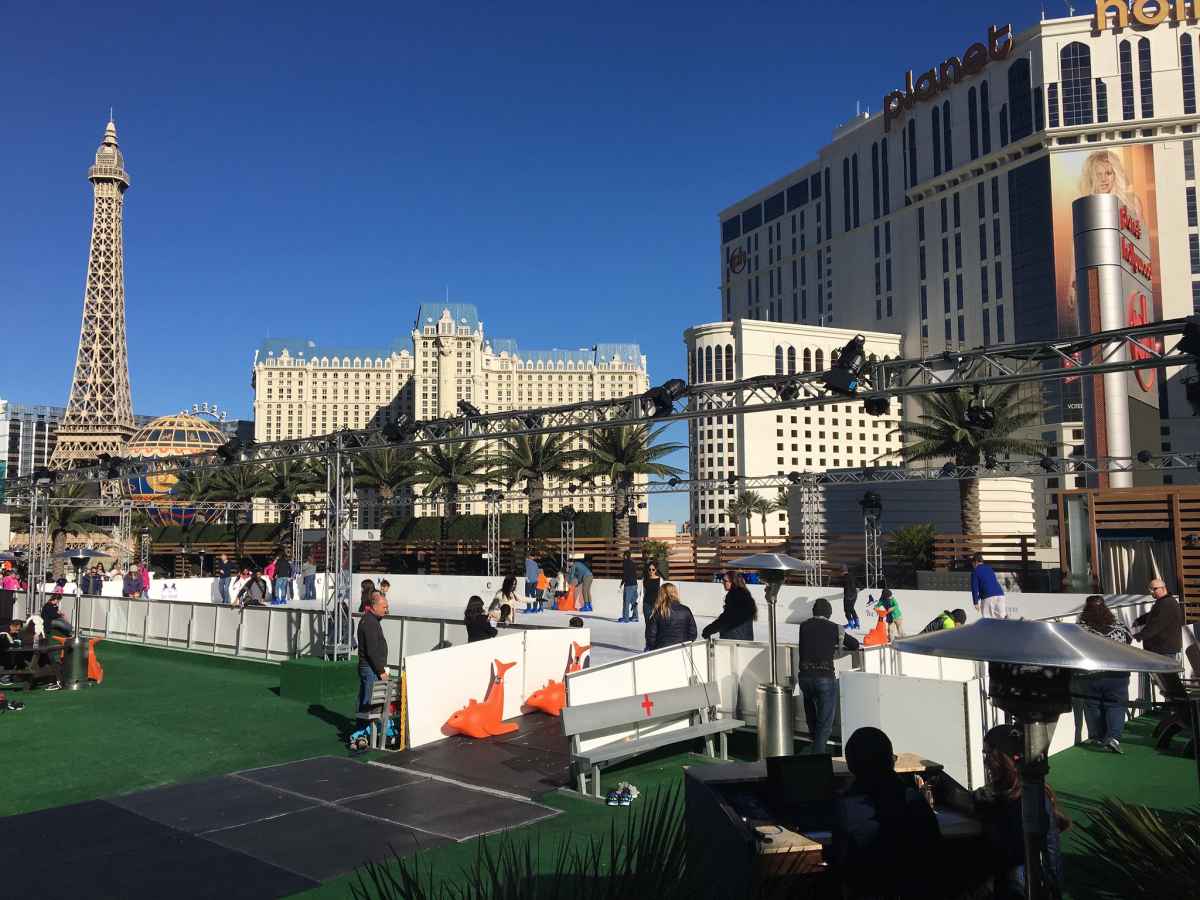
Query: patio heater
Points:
[75, 676]
[1030, 666]
[774, 700]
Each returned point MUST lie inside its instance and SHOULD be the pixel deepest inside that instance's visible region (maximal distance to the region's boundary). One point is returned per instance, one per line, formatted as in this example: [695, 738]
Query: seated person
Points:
[945, 620]
[998, 807]
[46, 665]
[479, 628]
[53, 619]
[255, 591]
[885, 834]
[10, 639]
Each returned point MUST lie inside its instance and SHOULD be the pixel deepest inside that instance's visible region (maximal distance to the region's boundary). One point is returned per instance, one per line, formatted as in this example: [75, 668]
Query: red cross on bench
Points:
[647, 704]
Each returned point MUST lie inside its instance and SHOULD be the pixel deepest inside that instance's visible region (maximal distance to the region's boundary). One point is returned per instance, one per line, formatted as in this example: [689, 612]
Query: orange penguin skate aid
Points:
[480, 720]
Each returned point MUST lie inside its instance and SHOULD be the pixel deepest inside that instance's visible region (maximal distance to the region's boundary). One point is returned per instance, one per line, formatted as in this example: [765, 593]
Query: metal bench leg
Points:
[724, 745]
[708, 746]
[582, 778]
[596, 780]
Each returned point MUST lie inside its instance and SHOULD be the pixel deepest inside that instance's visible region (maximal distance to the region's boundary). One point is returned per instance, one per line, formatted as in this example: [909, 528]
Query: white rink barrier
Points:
[440, 683]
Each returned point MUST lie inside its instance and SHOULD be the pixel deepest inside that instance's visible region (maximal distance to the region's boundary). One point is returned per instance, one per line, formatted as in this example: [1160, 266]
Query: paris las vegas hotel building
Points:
[944, 219]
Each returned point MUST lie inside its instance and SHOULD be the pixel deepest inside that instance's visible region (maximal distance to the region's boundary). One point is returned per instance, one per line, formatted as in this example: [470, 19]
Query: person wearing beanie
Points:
[818, 640]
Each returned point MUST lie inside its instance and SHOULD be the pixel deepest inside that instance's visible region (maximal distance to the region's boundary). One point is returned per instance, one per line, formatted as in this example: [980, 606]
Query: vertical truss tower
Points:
[99, 416]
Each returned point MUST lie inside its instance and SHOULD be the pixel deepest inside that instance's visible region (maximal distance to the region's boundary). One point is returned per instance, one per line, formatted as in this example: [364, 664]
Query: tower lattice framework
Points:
[99, 416]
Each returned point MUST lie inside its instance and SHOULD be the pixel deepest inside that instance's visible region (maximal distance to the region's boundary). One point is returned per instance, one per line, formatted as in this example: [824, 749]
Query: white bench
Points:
[657, 708]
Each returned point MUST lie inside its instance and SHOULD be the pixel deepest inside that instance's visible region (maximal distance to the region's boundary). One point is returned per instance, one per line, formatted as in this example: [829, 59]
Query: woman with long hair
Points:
[506, 596]
[736, 621]
[1105, 694]
[1103, 173]
[476, 620]
[671, 622]
[997, 805]
[650, 588]
[367, 588]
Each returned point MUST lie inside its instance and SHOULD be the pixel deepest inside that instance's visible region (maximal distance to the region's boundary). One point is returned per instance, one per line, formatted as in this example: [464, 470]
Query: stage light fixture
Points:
[1190, 342]
[843, 377]
[673, 481]
[567, 514]
[788, 391]
[1144, 456]
[977, 413]
[795, 477]
[989, 461]
[732, 480]
[231, 451]
[660, 401]
[111, 464]
[1048, 463]
[948, 470]
[397, 432]
[44, 476]
[877, 406]
[872, 507]
[467, 408]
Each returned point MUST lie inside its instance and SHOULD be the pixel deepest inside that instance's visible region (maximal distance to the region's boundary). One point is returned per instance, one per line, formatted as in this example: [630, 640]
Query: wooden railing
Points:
[1003, 552]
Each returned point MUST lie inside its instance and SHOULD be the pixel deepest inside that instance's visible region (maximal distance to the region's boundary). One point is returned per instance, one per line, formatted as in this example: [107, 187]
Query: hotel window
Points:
[983, 283]
[944, 219]
[924, 303]
[887, 183]
[957, 211]
[1194, 251]
[887, 273]
[1101, 101]
[921, 260]
[945, 255]
[1052, 101]
[949, 336]
[946, 296]
[1191, 207]
[999, 281]
[982, 241]
[828, 207]
[962, 330]
[935, 133]
[718, 368]
[1000, 324]
[1126, 64]
[875, 181]
[778, 360]
[1003, 124]
[987, 323]
[947, 139]
[854, 185]
[1145, 83]
[979, 200]
[1189, 161]
[708, 364]
[1075, 63]
[958, 290]
[912, 152]
[791, 361]
[1196, 296]
[1039, 110]
[957, 249]
[921, 223]
[729, 361]
[985, 118]
[1020, 100]
[1188, 73]
[972, 112]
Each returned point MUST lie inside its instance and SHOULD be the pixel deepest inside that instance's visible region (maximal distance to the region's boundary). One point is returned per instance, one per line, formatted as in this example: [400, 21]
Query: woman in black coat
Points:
[736, 622]
[475, 617]
[650, 586]
[671, 623]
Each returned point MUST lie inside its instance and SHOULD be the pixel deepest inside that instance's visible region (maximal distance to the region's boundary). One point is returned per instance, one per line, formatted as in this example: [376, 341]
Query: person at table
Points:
[671, 622]
[817, 643]
[736, 621]
[53, 619]
[650, 587]
[886, 840]
[997, 805]
[475, 617]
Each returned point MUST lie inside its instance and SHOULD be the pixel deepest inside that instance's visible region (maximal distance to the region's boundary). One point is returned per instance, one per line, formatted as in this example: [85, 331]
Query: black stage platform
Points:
[529, 762]
[260, 833]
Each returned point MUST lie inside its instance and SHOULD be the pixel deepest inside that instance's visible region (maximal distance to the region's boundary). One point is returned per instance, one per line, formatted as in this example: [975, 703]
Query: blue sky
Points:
[318, 170]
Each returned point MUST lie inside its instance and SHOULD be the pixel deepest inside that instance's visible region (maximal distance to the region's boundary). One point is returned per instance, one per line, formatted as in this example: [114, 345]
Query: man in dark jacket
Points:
[849, 597]
[1161, 628]
[736, 622]
[227, 570]
[819, 640]
[629, 589]
[53, 618]
[372, 649]
[283, 579]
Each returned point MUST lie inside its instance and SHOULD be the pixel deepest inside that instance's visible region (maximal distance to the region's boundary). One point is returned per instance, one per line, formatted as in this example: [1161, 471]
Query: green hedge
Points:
[512, 526]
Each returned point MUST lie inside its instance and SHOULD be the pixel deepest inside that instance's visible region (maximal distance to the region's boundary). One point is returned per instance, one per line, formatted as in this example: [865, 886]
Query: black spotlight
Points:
[567, 514]
[1190, 342]
[467, 408]
[843, 377]
[491, 495]
[42, 475]
[660, 401]
[877, 406]
[111, 464]
[788, 391]
[732, 480]
[1144, 456]
[394, 432]
[1048, 463]
[1191, 387]
[795, 477]
[231, 451]
[572, 488]
[978, 415]
[948, 470]
[673, 481]
[989, 460]
[872, 507]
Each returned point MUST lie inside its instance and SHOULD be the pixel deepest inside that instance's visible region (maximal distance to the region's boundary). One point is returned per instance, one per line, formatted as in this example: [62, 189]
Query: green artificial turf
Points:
[161, 716]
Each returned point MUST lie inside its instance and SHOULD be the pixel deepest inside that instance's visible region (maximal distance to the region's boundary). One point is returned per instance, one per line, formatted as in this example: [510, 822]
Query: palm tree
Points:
[780, 503]
[745, 506]
[68, 520]
[534, 458]
[385, 470]
[764, 508]
[445, 469]
[241, 483]
[942, 432]
[621, 453]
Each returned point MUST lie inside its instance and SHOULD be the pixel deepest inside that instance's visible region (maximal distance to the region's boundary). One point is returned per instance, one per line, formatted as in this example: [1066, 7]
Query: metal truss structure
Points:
[99, 416]
[339, 556]
[810, 529]
[566, 543]
[39, 549]
[493, 498]
[872, 553]
[1120, 350]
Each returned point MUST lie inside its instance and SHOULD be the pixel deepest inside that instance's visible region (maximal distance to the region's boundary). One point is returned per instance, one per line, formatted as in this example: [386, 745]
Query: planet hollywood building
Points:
[947, 216]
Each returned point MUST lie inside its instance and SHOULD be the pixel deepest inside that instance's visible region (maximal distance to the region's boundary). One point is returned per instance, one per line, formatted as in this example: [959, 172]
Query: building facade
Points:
[833, 436]
[302, 390]
[28, 435]
[946, 216]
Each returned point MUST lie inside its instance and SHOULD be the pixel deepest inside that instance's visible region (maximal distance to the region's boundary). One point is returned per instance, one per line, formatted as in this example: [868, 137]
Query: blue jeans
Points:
[629, 602]
[310, 587]
[366, 682]
[61, 626]
[283, 590]
[820, 704]
[1104, 705]
[223, 588]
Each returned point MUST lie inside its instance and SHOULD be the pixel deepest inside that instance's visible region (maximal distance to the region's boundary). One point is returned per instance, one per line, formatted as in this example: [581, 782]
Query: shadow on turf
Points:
[330, 717]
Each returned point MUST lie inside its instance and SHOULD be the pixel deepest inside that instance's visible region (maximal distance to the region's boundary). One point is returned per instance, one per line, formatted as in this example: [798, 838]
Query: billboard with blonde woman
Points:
[1127, 172]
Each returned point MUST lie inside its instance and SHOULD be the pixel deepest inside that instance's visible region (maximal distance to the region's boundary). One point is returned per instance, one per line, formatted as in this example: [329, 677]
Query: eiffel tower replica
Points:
[99, 416]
